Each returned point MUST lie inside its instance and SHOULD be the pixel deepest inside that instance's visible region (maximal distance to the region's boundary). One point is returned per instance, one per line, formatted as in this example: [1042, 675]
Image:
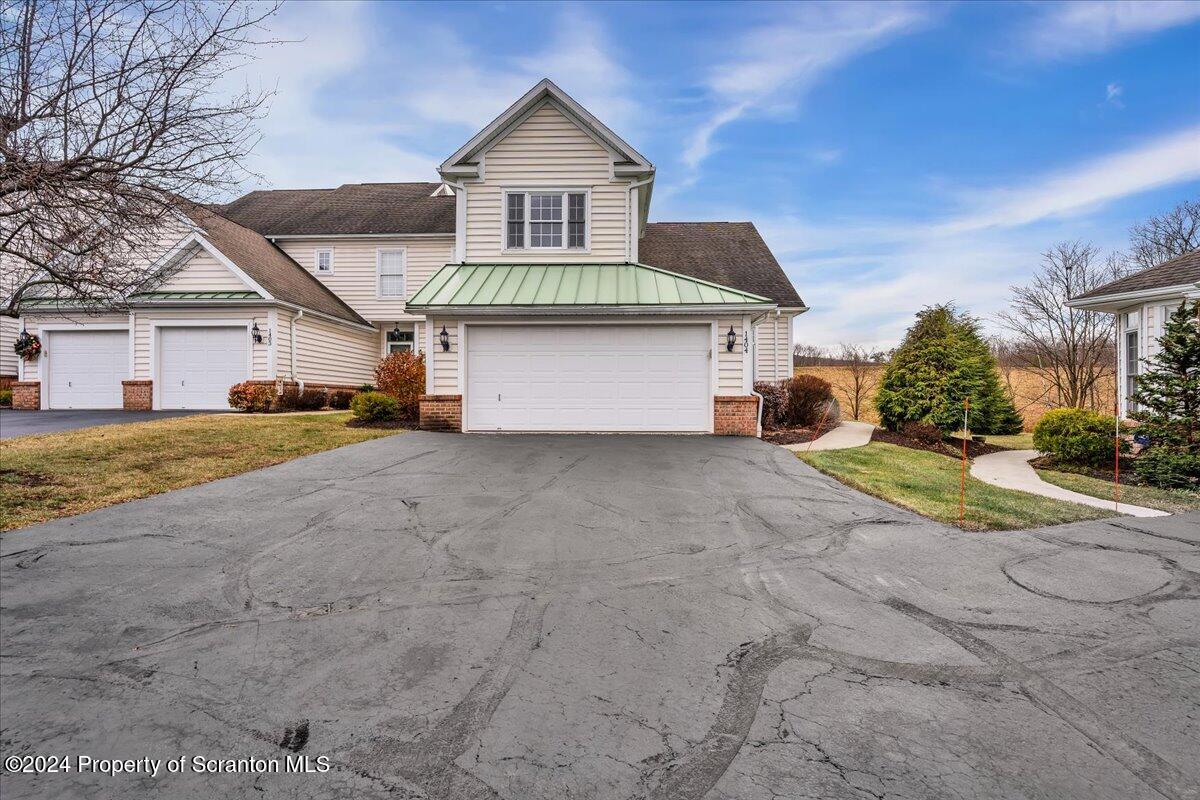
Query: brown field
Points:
[1033, 396]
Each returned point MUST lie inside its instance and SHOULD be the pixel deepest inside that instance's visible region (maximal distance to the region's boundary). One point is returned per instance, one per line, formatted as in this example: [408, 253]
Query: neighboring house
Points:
[529, 276]
[9, 328]
[1142, 302]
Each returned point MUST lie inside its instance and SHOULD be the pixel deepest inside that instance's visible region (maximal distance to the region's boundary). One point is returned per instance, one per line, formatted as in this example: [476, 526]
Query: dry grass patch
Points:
[62, 474]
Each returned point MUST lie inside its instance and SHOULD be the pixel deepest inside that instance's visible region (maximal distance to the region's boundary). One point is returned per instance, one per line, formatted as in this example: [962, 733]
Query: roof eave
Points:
[1114, 301]
[580, 310]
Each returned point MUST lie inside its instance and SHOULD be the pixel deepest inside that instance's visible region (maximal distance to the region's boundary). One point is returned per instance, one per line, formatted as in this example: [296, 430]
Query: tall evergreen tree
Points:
[942, 361]
[1168, 400]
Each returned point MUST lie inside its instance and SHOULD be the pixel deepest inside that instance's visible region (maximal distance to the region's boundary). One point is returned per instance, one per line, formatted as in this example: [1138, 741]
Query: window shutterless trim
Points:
[403, 273]
[527, 221]
[317, 260]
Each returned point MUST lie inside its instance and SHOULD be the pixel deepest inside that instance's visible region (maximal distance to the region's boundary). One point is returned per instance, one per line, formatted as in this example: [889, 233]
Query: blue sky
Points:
[893, 155]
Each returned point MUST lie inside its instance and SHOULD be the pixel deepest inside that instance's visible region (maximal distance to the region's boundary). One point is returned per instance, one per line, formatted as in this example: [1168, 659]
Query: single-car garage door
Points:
[588, 378]
[198, 365]
[86, 368]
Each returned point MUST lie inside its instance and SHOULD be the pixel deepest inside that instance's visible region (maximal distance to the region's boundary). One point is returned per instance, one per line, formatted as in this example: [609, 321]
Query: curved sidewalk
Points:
[1010, 470]
[844, 436]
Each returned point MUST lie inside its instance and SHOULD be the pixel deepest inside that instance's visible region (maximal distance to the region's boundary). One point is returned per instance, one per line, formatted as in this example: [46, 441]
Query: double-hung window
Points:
[324, 260]
[539, 220]
[1132, 359]
[390, 264]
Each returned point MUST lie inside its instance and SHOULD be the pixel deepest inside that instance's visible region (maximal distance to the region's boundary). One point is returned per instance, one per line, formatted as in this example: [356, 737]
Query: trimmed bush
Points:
[293, 399]
[402, 375]
[375, 406]
[1169, 468]
[340, 399]
[367, 387]
[774, 411]
[1077, 436]
[255, 397]
[808, 399]
[6, 398]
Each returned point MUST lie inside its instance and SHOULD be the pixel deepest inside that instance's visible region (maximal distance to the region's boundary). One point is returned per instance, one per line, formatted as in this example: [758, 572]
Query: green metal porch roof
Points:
[523, 285]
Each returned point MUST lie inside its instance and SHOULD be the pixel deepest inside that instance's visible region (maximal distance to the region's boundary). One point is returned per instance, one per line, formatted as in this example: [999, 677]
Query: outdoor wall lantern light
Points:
[396, 332]
[444, 338]
[730, 339]
[257, 334]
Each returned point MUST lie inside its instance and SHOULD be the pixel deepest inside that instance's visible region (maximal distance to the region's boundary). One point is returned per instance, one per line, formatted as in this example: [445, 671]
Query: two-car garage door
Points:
[588, 378]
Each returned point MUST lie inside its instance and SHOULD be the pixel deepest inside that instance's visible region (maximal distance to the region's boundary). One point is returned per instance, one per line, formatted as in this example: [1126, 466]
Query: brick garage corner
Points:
[440, 412]
[735, 415]
[137, 395]
[27, 395]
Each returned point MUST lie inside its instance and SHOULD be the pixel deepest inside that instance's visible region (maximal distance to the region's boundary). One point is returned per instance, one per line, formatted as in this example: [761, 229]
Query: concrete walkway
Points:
[844, 436]
[1010, 470]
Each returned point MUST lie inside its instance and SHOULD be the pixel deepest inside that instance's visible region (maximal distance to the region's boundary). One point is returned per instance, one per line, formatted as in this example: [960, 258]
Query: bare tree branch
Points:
[1166, 236]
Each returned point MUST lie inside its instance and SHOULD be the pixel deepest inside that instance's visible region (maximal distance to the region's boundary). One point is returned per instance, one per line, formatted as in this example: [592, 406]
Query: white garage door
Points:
[86, 368]
[588, 378]
[198, 365]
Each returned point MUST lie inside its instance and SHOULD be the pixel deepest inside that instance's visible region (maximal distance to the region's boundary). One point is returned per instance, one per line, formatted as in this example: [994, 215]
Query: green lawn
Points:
[1174, 501]
[1017, 441]
[61, 474]
[928, 484]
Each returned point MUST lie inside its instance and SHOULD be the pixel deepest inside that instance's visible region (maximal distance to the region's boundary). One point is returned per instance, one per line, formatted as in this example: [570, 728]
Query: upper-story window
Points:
[545, 220]
[390, 264]
[324, 260]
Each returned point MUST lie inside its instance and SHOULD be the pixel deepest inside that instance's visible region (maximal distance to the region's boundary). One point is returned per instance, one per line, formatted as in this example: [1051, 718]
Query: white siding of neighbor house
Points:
[327, 352]
[355, 276]
[35, 322]
[9, 328]
[547, 151]
[202, 273]
[773, 337]
[144, 339]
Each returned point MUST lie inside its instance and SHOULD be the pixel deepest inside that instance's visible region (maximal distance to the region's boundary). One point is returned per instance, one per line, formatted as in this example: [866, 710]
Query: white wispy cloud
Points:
[1112, 95]
[776, 64]
[1072, 29]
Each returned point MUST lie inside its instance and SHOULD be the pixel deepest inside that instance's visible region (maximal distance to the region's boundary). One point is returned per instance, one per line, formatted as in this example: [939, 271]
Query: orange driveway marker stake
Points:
[962, 486]
[824, 414]
[1117, 459]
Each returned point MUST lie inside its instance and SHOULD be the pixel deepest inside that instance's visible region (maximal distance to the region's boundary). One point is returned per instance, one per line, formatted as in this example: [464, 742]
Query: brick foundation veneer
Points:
[441, 412]
[27, 395]
[735, 415]
[137, 395]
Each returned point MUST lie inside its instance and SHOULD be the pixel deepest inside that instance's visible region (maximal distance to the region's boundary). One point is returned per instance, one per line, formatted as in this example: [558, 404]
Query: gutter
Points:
[754, 370]
[1087, 303]
[632, 224]
[574, 311]
[292, 327]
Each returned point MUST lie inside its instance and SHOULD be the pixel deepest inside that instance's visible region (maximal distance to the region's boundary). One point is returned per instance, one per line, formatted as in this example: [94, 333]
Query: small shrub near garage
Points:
[5, 398]
[340, 399]
[774, 411]
[375, 407]
[402, 376]
[251, 397]
[809, 398]
[293, 399]
[1077, 436]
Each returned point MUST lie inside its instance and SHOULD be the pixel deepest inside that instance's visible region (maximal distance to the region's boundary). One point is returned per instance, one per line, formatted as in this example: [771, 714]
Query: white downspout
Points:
[292, 326]
[754, 368]
[630, 217]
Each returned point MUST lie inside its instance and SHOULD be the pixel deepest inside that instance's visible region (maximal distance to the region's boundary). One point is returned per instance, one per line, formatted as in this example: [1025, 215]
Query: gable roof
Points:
[1179, 271]
[466, 157]
[727, 253]
[268, 266]
[352, 208]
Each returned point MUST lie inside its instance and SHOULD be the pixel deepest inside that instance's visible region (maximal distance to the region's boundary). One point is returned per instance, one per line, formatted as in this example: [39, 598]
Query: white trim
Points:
[272, 328]
[462, 350]
[586, 191]
[379, 251]
[428, 355]
[274, 236]
[747, 377]
[573, 311]
[156, 358]
[460, 223]
[1163, 292]
[44, 358]
[132, 337]
[713, 376]
[317, 260]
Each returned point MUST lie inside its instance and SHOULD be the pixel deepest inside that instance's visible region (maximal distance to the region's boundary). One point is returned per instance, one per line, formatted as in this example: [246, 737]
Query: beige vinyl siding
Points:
[547, 151]
[729, 365]
[327, 352]
[144, 340]
[355, 277]
[445, 364]
[773, 336]
[34, 324]
[203, 273]
[283, 344]
[9, 328]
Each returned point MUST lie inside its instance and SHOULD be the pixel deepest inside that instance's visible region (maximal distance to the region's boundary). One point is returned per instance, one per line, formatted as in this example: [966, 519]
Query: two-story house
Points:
[528, 276]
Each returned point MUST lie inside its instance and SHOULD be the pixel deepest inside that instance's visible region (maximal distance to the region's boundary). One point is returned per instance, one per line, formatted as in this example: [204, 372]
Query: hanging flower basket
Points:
[28, 345]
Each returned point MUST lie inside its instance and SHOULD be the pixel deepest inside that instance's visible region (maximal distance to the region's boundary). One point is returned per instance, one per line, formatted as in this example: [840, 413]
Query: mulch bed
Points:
[796, 435]
[951, 448]
[384, 424]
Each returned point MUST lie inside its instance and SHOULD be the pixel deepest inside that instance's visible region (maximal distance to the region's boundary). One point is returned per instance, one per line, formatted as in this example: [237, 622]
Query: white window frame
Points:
[527, 191]
[379, 295]
[317, 260]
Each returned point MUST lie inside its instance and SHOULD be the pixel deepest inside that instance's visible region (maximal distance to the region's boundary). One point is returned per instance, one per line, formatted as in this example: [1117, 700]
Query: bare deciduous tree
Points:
[809, 355]
[858, 377]
[1166, 236]
[112, 112]
[1071, 350]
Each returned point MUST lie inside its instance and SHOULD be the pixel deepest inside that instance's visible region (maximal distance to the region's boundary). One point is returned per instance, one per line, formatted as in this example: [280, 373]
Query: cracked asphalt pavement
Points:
[452, 616]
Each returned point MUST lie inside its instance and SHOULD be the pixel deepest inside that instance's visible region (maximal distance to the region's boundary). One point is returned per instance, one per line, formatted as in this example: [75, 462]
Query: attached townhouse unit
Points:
[529, 277]
[1142, 302]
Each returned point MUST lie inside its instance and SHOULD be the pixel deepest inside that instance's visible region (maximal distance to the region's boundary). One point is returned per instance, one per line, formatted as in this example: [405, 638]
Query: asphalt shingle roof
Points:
[1180, 270]
[354, 208]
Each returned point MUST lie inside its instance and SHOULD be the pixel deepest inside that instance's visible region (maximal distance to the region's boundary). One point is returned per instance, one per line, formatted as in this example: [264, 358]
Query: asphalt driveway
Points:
[450, 616]
[26, 423]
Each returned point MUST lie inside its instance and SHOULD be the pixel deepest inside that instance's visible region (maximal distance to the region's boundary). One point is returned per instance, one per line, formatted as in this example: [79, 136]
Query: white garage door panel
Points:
[198, 365]
[86, 368]
[588, 378]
